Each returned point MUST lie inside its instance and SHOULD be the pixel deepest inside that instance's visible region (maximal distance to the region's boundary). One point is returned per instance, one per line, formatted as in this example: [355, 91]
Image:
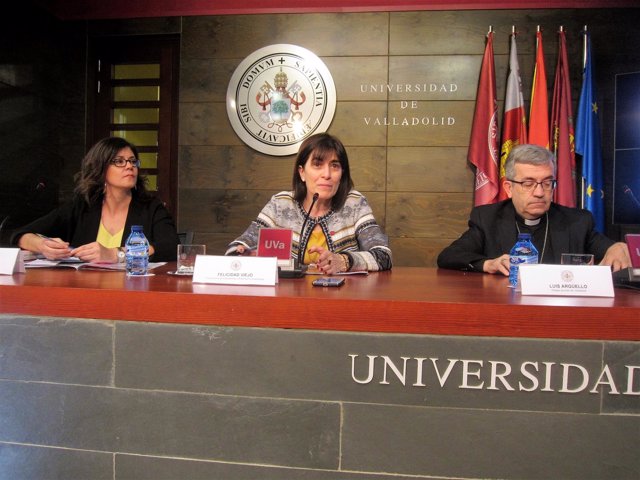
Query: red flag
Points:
[539, 110]
[514, 125]
[562, 133]
[483, 145]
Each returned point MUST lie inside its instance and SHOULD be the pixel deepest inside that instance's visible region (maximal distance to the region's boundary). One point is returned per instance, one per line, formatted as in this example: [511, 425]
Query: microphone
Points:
[304, 224]
[627, 191]
[298, 268]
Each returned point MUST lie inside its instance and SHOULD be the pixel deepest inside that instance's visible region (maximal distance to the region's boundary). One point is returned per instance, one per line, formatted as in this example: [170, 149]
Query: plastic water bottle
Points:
[522, 252]
[137, 252]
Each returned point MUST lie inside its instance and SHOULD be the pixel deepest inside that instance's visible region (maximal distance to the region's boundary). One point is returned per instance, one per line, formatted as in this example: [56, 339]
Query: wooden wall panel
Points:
[206, 124]
[221, 211]
[230, 167]
[227, 213]
[430, 124]
[410, 251]
[236, 36]
[353, 75]
[233, 167]
[350, 123]
[428, 169]
[216, 243]
[416, 177]
[368, 168]
[434, 77]
[462, 33]
[205, 79]
[444, 32]
[440, 215]
[378, 203]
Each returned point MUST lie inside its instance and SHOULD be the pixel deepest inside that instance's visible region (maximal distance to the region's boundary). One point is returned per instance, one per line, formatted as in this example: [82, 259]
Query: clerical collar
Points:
[534, 223]
[529, 223]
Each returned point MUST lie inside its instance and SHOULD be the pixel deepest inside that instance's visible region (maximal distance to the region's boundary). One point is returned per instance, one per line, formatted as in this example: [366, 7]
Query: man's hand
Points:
[497, 265]
[617, 255]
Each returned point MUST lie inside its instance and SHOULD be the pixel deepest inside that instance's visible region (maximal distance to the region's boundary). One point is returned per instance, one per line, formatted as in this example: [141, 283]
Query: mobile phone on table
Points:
[328, 282]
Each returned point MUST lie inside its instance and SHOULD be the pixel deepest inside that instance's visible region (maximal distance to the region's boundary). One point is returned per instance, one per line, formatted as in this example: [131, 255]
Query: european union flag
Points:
[588, 144]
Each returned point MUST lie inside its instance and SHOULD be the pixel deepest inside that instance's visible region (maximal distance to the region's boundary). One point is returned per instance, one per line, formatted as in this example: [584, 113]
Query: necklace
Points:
[546, 232]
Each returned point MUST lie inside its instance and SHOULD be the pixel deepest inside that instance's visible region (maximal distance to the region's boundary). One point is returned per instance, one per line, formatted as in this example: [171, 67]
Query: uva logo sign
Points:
[274, 244]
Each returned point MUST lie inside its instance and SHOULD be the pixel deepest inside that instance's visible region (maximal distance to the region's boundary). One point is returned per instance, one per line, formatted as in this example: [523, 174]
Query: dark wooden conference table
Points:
[405, 300]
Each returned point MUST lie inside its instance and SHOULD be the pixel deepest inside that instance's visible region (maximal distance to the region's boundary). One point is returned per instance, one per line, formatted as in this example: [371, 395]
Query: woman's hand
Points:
[328, 262]
[55, 248]
[242, 250]
[94, 252]
[51, 248]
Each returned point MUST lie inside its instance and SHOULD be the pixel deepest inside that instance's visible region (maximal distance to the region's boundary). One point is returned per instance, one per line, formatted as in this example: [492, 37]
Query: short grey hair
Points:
[531, 155]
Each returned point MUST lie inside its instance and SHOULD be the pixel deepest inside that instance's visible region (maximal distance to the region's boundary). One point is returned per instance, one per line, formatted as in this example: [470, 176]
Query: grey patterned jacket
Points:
[352, 230]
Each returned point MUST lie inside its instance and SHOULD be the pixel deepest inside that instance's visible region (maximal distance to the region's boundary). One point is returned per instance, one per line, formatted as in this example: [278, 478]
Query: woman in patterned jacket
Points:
[340, 232]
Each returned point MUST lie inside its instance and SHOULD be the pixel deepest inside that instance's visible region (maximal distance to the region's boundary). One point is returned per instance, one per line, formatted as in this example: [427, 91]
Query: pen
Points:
[49, 238]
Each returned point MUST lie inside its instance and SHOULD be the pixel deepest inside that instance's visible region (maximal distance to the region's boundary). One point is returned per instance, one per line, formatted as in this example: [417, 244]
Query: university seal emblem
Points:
[278, 96]
[567, 276]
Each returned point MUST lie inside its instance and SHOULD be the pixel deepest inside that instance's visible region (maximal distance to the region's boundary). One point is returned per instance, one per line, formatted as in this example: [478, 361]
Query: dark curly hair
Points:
[320, 146]
[93, 170]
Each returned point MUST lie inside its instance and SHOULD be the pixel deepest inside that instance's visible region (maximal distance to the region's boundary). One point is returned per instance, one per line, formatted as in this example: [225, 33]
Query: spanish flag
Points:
[539, 109]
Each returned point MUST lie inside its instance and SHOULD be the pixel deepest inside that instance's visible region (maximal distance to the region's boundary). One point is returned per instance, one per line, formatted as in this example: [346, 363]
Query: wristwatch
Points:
[121, 255]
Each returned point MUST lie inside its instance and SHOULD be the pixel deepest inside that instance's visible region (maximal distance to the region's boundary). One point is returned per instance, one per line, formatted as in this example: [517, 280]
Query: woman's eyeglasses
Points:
[121, 162]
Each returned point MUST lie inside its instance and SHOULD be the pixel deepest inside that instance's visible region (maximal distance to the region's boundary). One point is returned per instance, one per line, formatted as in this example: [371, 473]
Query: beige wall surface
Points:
[416, 178]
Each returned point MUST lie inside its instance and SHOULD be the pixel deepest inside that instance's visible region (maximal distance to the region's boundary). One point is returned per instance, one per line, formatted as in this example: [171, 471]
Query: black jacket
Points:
[492, 232]
[78, 224]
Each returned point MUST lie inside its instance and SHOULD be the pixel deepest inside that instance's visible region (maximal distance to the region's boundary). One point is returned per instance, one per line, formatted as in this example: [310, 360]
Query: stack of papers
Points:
[78, 264]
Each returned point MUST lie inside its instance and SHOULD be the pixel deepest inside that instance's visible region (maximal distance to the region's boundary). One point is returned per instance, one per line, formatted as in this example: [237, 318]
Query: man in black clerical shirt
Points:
[493, 229]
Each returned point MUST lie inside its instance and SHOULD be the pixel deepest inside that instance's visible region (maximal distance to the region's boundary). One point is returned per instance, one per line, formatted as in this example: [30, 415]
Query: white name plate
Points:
[235, 270]
[11, 261]
[567, 280]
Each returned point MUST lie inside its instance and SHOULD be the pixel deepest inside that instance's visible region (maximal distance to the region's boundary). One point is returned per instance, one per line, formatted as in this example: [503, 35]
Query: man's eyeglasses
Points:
[121, 162]
[531, 185]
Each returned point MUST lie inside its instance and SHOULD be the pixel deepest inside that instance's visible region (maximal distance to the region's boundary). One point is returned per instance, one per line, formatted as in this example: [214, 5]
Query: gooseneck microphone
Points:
[304, 224]
[299, 269]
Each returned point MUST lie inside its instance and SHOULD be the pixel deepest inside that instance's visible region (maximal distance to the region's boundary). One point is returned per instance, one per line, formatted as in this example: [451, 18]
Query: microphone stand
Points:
[299, 268]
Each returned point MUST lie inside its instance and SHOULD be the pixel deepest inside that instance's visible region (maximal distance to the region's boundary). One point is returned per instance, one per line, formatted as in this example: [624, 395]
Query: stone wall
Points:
[119, 400]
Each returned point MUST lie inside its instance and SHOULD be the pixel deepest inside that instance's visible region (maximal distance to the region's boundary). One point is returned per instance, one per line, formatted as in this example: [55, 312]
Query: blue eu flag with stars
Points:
[588, 144]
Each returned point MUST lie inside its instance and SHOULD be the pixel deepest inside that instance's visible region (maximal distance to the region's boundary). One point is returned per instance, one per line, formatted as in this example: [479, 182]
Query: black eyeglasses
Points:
[121, 162]
[531, 185]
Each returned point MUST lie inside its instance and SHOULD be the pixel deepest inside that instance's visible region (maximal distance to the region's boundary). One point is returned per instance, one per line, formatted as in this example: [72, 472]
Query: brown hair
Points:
[320, 145]
[93, 170]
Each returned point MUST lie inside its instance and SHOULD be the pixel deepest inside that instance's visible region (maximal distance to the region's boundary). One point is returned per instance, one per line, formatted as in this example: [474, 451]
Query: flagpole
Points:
[584, 47]
[584, 64]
